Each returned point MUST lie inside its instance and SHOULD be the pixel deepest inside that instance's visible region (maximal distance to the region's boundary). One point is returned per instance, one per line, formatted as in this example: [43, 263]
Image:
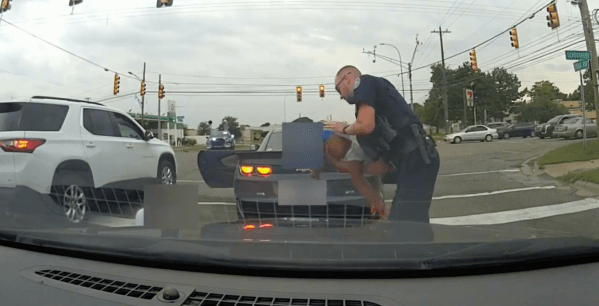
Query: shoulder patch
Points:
[357, 83]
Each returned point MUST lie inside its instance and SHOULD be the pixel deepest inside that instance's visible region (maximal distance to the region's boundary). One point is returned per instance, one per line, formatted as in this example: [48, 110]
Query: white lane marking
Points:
[216, 203]
[520, 214]
[189, 181]
[457, 196]
[483, 172]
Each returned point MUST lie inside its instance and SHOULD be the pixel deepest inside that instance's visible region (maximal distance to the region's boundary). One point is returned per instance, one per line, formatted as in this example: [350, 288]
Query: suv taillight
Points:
[21, 145]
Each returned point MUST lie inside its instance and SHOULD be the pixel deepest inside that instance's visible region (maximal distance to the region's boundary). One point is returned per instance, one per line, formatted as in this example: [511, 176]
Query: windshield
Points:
[220, 124]
[219, 133]
[554, 120]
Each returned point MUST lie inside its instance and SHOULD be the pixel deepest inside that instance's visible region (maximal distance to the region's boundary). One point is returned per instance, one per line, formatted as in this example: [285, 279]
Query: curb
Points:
[533, 171]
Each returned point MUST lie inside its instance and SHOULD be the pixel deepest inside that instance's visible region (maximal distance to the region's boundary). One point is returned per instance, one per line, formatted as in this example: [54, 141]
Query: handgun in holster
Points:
[419, 138]
[386, 135]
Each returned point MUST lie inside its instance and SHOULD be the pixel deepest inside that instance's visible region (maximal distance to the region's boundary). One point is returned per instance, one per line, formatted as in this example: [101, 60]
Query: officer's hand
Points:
[335, 126]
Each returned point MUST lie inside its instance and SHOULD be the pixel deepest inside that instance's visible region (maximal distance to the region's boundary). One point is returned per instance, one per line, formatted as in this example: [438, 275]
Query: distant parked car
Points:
[521, 129]
[546, 129]
[498, 125]
[573, 128]
[475, 132]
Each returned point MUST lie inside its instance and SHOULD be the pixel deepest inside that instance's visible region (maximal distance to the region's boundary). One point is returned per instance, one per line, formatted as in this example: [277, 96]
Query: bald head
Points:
[345, 70]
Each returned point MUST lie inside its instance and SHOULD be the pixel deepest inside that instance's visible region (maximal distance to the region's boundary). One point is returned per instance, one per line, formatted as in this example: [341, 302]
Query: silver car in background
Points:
[471, 133]
[573, 127]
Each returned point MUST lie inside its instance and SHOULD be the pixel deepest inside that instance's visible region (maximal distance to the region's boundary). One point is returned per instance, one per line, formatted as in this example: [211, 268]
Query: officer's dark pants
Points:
[415, 186]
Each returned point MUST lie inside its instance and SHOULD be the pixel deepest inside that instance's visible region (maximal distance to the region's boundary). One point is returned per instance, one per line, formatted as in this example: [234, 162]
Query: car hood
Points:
[376, 246]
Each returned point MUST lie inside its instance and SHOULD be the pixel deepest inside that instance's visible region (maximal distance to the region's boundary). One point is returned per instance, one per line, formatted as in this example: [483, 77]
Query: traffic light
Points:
[142, 91]
[553, 18]
[514, 38]
[117, 82]
[473, 64]
[321, 91]
[161, 91]
[160, 3]
[74, 2]
[5, 6]
[299, 93]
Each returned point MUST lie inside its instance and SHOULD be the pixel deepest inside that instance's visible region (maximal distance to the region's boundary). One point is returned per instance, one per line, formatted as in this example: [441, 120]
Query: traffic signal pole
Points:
[159, 118]
[590, 41]
[142, 99]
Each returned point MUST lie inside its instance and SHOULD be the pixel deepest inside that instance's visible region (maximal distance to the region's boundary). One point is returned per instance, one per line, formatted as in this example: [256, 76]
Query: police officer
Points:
[388, 131]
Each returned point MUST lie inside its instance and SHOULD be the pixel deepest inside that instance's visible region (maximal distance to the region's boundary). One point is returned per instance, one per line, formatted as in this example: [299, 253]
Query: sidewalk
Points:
[584, 187]
[557, 170]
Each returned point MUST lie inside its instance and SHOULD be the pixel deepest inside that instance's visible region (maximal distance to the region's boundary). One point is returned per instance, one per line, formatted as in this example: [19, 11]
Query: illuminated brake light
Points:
[246, 170]
[266, 225]
[264, 170]
[21, 145]
[249, 227]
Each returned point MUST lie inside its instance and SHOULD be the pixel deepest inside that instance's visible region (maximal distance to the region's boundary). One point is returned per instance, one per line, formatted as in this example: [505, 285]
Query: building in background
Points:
[173, 131]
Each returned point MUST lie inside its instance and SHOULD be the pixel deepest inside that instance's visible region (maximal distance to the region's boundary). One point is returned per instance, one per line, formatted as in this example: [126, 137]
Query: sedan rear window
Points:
[275, 143]
[32, 117]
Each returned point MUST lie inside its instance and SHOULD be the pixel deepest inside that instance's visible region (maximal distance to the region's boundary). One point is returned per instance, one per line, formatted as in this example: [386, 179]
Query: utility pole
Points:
[444, 79]
[411, 93]
[143, 81]
[159, 100]
[410, 74]
[590, 41]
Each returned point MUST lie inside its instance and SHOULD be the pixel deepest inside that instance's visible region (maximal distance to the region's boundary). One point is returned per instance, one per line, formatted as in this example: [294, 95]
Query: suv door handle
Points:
[90, 145]
[130, 146]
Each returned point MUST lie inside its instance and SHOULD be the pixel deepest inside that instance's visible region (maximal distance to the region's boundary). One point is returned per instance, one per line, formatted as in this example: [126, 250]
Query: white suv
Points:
[68, 148]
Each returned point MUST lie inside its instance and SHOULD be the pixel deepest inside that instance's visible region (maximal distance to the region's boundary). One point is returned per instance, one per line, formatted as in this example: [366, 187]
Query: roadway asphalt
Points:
[478, 183]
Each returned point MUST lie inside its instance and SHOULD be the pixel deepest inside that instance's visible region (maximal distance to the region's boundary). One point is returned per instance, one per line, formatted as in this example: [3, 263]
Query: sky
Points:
[245, 58]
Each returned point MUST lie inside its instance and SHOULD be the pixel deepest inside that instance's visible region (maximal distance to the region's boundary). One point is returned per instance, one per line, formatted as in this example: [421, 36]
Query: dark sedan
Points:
[258, 178]
[521, 129]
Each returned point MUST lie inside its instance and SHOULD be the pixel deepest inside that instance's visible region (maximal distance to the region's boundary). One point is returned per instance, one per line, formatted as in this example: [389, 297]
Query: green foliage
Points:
[494, 91]
[542, 107]
[203, 128]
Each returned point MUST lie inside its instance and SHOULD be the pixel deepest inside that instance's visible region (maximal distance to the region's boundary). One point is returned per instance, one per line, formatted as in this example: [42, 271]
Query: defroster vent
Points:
[102, 284]
[215, 299]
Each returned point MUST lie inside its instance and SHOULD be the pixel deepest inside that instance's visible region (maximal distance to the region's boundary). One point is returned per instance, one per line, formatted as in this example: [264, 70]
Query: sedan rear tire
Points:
[578, 134]
[489, 138]
[506, 135]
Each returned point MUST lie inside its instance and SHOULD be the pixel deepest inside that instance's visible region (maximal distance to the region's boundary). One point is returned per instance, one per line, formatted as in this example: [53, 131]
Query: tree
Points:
[231, 122]
[494, 92]
[589, 93]
[542, 106]
[203, 128]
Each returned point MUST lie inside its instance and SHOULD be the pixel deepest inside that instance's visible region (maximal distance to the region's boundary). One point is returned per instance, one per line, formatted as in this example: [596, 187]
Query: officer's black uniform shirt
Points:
[388, 103]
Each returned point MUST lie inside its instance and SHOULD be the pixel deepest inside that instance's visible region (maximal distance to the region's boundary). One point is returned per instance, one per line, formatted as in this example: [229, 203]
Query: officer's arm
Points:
[365, 121]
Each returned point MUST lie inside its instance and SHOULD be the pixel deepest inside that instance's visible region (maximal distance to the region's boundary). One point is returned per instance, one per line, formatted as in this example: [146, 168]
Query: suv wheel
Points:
[166, 173]
[69, 192]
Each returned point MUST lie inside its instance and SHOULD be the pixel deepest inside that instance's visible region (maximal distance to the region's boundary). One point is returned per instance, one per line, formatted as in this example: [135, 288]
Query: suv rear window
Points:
[32, 117]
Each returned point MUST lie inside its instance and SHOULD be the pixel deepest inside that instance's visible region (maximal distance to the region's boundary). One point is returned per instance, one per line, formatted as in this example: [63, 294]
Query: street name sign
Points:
[578, 55]
[584, 64]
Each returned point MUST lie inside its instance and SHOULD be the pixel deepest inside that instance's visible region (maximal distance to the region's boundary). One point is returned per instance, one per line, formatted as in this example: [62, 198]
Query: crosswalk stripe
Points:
[524, 214]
